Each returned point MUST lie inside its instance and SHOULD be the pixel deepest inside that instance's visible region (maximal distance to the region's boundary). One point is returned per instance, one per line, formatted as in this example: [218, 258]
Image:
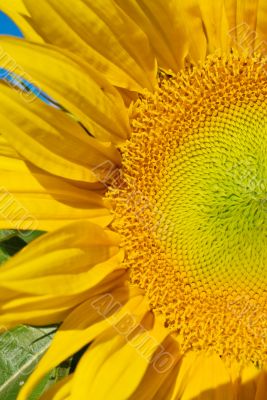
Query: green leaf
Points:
[11, 241]
[12, 245]
[7, 234]
[28, 236]
[3, 256]
[20, 350]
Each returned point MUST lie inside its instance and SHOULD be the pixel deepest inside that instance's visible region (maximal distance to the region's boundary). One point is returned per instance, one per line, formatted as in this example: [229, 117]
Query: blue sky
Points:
[7, 27]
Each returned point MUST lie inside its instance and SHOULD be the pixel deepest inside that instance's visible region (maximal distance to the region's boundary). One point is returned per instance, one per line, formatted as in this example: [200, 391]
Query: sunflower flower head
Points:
[191, 204]
[148, 170]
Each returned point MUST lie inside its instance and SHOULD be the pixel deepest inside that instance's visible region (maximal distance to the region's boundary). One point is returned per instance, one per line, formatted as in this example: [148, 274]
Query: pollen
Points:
[190, 204]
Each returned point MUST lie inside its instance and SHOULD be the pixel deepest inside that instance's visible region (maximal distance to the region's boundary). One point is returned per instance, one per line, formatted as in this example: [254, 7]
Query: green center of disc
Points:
[213, 202]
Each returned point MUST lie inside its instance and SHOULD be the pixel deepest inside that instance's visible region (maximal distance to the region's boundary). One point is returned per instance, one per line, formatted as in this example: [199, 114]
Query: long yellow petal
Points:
[261, 384]
[101, 34]
[49, 309]
[31, 199]
[167, 387]
[81, 91]
[50, 139]
[216, 25]
[75, 284]
[35, 310]
[261, 39]
[67, 264]
[161, 27]
[174, 28]
[251, 383]
[82, 326]
[247, 25]
[79, 254]
[159, 373]
[246, 14]
[130, 352]
[202, 376]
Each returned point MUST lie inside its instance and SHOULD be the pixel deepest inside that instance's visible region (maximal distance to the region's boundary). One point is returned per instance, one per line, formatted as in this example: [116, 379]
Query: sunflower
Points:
[149, 176]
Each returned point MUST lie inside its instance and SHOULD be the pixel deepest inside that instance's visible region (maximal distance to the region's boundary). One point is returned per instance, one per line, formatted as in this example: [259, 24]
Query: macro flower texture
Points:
[148, 174]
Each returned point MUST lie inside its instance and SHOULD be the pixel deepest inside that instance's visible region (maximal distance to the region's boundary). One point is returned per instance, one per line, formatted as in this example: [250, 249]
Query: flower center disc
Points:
[191, 205]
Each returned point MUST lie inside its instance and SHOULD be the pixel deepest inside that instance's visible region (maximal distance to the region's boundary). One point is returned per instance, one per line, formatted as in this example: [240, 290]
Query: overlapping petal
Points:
[51, 139]
[32, 199]
[58, 271]
[261, 39]
[84, 324]
[200, 376]
[81, 91]
[132, 354]
[251, 383]
[102, 34]
[188, 31]
[163, 24]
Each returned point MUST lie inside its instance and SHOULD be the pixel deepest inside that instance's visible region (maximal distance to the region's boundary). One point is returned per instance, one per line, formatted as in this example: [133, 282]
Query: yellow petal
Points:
[197, 42]
[174, 28]
[75, 257]
[36, 310]
[252, 383]
[48, 309]
[216, 25]
[65, 267]
[83, 325]
[246, 12]
[16, 5]
[50, 139]
[130, 352]
[262, 385]
[247, 25]
[58, 284]
[159, 20]
[161, 373]
[102, 35]
[202, 376]
[261, 38]
[166, 389]
[81, 91]
[31, 199]
[6, 150]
